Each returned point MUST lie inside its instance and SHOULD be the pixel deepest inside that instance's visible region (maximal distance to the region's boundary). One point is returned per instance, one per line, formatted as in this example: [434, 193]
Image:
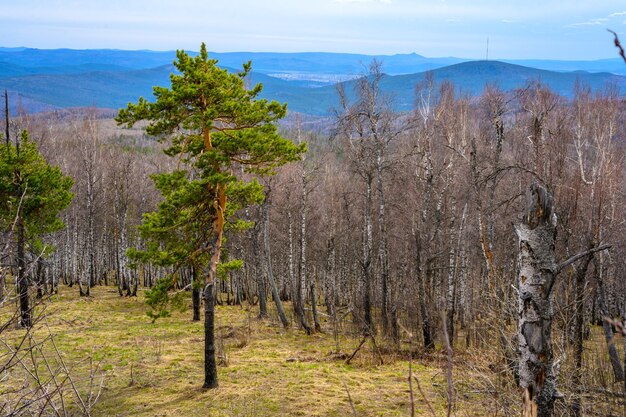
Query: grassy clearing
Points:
[155, 369]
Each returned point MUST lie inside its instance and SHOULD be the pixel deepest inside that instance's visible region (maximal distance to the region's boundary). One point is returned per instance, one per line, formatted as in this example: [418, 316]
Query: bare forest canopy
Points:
[404, 224]
[40, 80]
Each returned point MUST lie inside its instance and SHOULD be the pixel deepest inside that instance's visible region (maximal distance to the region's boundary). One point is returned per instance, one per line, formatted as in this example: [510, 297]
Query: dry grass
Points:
[156, 369]
[265, 370]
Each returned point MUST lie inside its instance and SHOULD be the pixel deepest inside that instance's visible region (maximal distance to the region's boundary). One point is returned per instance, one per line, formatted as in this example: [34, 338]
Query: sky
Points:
[508, 29]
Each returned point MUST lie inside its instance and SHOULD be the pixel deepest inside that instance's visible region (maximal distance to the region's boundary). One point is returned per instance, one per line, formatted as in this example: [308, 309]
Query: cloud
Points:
[590, 22]
[508, 21]
[617, 14]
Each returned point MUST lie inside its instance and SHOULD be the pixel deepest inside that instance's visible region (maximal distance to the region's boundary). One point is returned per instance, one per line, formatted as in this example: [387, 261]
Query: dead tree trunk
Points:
[537, 272]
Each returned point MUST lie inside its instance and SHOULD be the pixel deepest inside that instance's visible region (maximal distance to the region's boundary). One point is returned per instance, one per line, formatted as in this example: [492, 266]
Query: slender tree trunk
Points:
[390, 325]
[421, 275]
[75, 269]
[579, 322]
[624, 324]
[451, 269]
[452, 293]
[618, 371]
[292, 269]
[260, 271]
[367, 259]
[537, 270]
[302, 275]
[91, 246]
[316, 320]
[330, 282]
[22, 278]
[195, 294]
[268, 260]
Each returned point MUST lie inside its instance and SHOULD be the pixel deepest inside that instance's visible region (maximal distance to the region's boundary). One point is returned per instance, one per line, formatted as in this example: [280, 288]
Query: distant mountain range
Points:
[61, 78]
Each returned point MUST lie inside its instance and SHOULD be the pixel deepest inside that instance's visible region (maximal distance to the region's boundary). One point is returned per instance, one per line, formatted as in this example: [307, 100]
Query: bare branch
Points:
[618, 45]
[619, 326]
[576, 257]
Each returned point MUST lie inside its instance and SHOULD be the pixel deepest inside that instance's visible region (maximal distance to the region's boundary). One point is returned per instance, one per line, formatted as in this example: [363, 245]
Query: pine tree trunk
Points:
[195, 294]
[39, 278]
[210, 366]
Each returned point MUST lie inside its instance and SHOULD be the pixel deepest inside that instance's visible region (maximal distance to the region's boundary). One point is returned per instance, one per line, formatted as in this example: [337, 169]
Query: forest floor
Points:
[156, 369]
[124, 365]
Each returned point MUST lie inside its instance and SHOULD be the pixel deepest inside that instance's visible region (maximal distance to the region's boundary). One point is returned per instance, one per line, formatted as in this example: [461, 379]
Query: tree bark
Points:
[537, 270]
[22, 278]
[268, 261]
[367, 259]
[195, 294]
[210, 366]
[618, 371]
[389, 323]
[301, 284]
[316, 319]
[260, 270]
[427, 331]
[579, 322]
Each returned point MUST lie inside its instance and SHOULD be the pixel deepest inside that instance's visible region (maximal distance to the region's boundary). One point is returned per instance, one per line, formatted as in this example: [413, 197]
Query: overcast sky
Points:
[559, 29]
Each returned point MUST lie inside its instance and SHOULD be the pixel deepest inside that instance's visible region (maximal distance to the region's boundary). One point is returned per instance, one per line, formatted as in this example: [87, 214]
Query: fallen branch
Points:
[356, 350]
[350, 399]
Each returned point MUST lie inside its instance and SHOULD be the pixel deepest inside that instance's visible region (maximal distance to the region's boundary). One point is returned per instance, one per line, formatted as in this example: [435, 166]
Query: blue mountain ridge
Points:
[112, 78]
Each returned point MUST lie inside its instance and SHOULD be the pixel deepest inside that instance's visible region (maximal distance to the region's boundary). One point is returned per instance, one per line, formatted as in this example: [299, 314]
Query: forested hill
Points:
[45, 79]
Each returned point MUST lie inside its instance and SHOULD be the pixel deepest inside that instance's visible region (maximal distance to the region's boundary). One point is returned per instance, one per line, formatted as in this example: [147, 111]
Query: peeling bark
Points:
[537, 271]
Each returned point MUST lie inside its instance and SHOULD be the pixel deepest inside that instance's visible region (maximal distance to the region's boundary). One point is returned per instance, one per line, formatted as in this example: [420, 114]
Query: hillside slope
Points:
[115, 88]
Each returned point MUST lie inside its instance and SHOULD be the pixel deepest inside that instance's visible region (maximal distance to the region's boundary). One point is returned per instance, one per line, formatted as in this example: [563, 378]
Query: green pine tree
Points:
[32, 194]
[218, 128]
